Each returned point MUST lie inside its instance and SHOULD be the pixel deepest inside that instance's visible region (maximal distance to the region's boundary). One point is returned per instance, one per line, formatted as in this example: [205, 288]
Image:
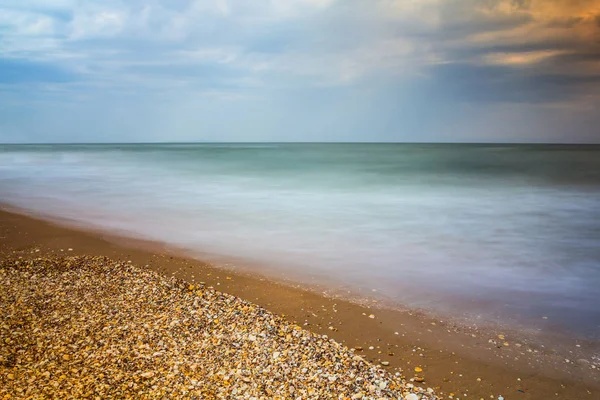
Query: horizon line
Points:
[290, 142]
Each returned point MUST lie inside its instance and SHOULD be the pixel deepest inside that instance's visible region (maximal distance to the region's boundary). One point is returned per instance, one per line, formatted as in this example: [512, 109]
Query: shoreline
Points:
[453, 359]
[524, 329]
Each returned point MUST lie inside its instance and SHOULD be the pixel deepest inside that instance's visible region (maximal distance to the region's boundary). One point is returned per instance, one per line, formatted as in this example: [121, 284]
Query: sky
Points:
[300, 70]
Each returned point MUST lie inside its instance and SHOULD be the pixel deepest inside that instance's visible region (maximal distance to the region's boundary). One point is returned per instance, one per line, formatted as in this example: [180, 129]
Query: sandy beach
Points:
[402, 351]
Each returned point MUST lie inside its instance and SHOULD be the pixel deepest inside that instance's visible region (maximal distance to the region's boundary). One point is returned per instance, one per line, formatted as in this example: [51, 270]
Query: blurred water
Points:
[504, 231]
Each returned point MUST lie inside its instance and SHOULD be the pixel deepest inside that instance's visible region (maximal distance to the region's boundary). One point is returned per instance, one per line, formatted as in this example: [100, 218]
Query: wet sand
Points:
[462, 362]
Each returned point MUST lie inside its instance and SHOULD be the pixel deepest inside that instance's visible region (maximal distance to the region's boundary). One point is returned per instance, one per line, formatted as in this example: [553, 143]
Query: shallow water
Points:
[508, 233]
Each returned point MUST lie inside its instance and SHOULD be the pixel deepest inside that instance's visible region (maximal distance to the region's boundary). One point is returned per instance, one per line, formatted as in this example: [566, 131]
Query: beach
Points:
[305, 199]
[449, 359]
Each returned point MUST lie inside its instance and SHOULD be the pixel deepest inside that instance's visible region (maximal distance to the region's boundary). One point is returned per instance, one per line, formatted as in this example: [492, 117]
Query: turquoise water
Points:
[505, 233]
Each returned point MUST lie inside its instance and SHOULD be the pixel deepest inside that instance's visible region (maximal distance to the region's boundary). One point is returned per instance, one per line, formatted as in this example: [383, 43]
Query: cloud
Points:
[490, 84]
[438, 54]
[525, 58]
[320, 40]
[97, 23]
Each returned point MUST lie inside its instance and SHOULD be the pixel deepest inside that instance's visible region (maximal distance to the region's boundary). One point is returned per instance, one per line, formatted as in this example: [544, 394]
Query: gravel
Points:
[91, 327]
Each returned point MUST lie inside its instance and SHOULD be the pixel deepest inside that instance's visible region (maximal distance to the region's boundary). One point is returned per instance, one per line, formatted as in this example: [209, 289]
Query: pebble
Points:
[81, 327]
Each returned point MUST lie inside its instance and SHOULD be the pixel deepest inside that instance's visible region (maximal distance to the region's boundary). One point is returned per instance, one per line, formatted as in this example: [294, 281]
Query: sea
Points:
[494, 233]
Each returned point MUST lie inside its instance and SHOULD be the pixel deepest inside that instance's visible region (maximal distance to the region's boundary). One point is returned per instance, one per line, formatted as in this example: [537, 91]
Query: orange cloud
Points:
[574, 21]
[521, 58]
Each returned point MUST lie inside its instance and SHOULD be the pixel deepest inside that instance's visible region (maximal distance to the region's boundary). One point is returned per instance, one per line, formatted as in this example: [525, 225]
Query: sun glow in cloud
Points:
[520, 59]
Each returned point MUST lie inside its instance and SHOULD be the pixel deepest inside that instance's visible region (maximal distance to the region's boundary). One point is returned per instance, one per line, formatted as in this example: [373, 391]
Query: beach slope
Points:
[85, 327]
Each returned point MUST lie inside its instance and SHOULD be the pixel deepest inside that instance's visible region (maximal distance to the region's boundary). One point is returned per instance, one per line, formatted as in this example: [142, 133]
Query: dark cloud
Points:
[490, 84]
[565, 23]
[463, 18]
[553, 60]
[587, 55]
